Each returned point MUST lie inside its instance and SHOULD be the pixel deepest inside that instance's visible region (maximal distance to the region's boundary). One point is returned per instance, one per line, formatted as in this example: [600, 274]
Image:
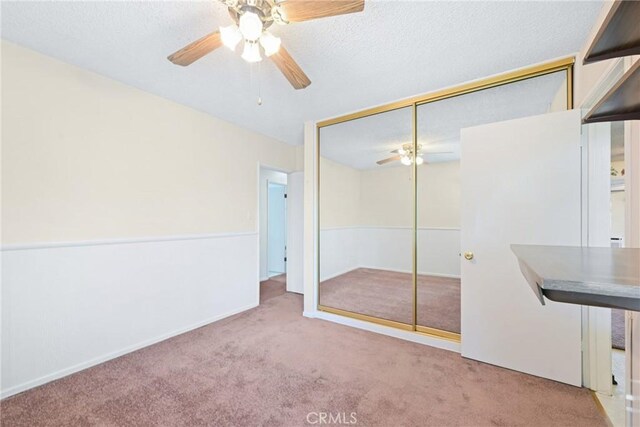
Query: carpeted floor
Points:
[617, 329]
[273, 287]
[270, 366]
[389, 295]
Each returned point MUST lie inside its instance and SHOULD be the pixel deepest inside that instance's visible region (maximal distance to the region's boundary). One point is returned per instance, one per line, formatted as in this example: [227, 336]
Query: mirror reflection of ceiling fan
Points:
[405, 155]
[252, 18]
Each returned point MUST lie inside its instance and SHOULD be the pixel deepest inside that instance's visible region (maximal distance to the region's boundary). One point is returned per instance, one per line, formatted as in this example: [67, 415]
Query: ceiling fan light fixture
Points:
[419, 160]
[250, 26]
[230, 36]
[270, 43]
[251, 52]
[406, 160]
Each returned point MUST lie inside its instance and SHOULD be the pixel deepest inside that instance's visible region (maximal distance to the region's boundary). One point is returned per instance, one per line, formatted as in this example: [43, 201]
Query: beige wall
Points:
[85, 157]
[339, 195]
[439, 195]
[618, 200]
[384, 197]
[387, 196]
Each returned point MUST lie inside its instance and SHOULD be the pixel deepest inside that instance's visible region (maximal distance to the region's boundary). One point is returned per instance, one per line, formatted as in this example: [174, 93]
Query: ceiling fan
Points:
[405, 155]
[252, 19]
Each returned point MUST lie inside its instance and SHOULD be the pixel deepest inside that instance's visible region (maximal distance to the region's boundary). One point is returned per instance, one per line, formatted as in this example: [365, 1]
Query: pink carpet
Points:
[273, 287]
[389, 295]
[272, 367]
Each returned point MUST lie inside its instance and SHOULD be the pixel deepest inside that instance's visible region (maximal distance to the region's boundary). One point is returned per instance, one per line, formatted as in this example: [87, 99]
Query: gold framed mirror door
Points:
[365, 218]
[388, 197]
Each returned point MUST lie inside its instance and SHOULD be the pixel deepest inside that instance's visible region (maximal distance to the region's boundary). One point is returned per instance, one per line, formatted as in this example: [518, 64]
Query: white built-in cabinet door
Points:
[520, 184]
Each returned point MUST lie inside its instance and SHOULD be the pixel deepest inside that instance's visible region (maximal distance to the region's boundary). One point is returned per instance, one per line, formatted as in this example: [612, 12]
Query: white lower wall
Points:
[389, 248]
[339, 248]
[69, 307]
[386, 248]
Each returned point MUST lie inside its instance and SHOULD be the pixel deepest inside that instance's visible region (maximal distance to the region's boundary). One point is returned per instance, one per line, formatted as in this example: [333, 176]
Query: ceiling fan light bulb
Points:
[230, 36]
[251, 52]
[419, 160]
[270, 43]
[250, 26]
[401, 151]
[405, 161]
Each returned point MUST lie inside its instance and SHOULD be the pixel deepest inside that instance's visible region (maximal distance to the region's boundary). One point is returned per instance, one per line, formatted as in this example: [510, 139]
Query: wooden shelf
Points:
[619, 34]
[622, 102]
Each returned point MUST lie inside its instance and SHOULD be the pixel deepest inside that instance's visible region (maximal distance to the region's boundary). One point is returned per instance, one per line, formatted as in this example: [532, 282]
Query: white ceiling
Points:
[360, 143]
[392, 50]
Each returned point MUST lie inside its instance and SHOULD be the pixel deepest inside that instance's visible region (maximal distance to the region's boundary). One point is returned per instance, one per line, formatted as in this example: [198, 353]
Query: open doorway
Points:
[276, 229]
[273, 233]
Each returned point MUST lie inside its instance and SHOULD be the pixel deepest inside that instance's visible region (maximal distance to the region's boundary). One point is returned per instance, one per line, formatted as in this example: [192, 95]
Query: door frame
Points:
[596, 321]
[259, 168]
[312, 162]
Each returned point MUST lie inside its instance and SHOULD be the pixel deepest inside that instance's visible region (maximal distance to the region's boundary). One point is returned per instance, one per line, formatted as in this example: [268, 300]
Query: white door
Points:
[520, 184]
[295, 232]
[276, 229]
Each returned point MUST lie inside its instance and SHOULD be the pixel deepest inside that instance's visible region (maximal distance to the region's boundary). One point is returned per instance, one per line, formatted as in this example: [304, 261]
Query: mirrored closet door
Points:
[439, 123]
[366, 199]
[389, 203]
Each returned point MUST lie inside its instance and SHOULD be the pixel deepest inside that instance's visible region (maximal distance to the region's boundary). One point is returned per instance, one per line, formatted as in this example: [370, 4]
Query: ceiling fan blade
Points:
[290, 69]
[305, 10]
[196, 50]
[389, 160]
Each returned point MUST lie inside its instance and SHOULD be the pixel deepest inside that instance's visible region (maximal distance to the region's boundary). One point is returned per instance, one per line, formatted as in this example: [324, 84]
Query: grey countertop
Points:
[606, 277]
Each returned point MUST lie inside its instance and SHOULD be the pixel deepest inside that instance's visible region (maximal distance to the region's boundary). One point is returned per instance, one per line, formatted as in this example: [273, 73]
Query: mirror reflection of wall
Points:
[366, 205]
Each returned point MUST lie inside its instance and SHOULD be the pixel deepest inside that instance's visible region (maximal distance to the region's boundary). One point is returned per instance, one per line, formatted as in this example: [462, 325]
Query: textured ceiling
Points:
[360, 143]
[392, 50]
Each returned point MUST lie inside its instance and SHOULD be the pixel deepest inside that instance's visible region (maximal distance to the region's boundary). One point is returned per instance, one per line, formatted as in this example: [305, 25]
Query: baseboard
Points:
[415, 337]
[420, 273]
[101, 359]
[340, 273]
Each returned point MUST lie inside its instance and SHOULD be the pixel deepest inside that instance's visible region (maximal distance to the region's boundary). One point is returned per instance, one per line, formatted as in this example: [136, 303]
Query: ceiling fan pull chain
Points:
[259, 83]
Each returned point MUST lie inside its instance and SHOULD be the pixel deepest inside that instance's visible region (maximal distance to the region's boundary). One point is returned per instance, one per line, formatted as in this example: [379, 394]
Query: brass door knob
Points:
[468, 256]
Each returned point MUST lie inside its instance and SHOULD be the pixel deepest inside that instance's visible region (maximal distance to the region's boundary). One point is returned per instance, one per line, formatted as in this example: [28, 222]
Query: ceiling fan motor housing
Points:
[267, 13]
